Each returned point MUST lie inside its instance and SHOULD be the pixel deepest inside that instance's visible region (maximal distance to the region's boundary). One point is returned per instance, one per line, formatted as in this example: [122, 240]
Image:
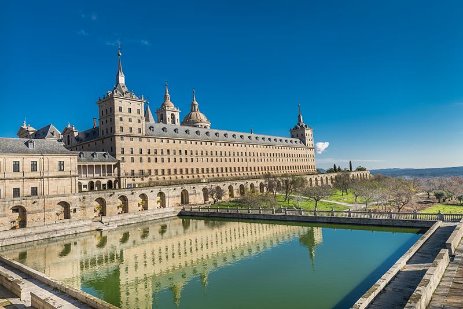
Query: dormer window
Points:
[234, 135]
[176, 130]
[217, 134]
[105, 155]
[241, 136]
[94, 154]
[164, 129]
[151, 128]
[30, 144]
[198, 132]
[225, 134]
[187, 131]
[81, 154]
[208, 133]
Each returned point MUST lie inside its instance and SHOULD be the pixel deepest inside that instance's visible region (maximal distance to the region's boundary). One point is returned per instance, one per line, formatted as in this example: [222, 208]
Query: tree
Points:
[428, 185]
[369, 190]
[350, 166]
[271, 183]
[401, 192]
[334, 167]
[255, 200]
[439, 195]
[356, 188]
[216, 193]
[317, 193]
[360, 168]
[342, 182]
[291, 184]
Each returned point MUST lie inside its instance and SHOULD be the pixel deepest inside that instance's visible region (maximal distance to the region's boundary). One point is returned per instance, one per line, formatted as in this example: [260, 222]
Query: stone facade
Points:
[155, 152]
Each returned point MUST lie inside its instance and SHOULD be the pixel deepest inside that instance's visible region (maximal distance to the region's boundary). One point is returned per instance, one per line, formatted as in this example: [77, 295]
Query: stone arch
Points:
[327, 181]
[310, 182]
[91, 185]
[316, 182]
[64, 211]
[20, 220]
[231, 191]
[184, 197]
[123, 207]
[79, 186]
[98, 185]
[161, 200]
[252, 188]
[242, 190]
[143, 203]
[219, 189]
[262, 187]
[172, 118]
[321, 181]
[205, 195]
[100, 207]
[109, 184]
[116, 184]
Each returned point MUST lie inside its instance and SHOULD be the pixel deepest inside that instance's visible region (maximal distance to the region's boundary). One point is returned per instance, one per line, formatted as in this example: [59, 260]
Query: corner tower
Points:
[120, 111]
[168, 113]
[302, 131]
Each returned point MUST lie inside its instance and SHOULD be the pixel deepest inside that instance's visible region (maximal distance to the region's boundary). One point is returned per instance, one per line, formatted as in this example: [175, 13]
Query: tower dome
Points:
[195, 118]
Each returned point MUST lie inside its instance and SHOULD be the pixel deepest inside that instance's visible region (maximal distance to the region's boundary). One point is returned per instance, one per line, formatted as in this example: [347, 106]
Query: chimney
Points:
[94, 122]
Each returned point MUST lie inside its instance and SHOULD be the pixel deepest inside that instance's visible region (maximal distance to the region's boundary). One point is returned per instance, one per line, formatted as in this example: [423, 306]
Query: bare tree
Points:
[317, 193]
[369, 190]
[401, 192]
[271, 183]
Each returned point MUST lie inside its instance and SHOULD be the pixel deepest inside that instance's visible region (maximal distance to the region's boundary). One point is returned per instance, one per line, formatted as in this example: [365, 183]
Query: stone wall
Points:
[38, 211]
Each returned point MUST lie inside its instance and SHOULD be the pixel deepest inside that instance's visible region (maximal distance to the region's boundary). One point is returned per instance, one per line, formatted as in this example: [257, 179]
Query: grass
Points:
[303, 203]
[346, 198]
[445, 209]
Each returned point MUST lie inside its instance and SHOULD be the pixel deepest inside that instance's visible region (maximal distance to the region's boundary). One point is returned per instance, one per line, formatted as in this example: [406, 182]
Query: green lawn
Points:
[346, 198]
[445, 209]
[304, 203]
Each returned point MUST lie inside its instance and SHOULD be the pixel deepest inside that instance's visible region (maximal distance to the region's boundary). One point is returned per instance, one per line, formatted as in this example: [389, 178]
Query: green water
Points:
[187, 263]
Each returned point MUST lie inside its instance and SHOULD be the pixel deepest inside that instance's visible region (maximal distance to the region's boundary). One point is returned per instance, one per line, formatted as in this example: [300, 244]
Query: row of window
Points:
[17, 166]
[212, 170]
[17, 192]
[207, 160]
[219, 153]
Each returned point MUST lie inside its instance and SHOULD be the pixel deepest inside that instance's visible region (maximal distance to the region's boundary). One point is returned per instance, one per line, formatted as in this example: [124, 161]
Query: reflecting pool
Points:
[196, 263]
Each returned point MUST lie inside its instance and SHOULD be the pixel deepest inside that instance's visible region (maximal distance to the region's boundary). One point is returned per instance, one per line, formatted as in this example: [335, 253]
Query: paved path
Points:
[402, 286]
[449, 292]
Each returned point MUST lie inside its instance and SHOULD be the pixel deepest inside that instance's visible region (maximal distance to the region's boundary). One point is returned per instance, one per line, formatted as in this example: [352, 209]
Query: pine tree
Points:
[350, 166]
[335, 168]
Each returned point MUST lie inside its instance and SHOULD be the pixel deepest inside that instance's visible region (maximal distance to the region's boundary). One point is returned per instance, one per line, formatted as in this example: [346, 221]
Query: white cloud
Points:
[82, 32]
[321, 147]
[113, 43]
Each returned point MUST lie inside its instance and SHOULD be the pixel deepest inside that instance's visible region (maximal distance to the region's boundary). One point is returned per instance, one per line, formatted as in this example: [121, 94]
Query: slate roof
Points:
[49, 131]
[200, 134]
[32, 146]
[95, 156]
[88, 135]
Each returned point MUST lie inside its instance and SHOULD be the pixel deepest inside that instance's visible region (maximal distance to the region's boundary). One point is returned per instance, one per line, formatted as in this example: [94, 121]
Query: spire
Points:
[194, 103]
[148, 115]
[299, 117]
[120, 78]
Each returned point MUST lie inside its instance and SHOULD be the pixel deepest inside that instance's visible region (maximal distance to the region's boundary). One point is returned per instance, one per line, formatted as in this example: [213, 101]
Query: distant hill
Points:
[420, 172]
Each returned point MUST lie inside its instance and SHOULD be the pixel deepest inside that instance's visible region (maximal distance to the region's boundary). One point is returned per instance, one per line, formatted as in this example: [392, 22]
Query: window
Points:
[16, 192]
[34, 191]
[15, 166]
[120, 109]
[33, 166]
[61, 166]
[130, 110]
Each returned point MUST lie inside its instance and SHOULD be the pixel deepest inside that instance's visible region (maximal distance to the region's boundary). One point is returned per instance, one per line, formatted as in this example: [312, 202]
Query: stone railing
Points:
[330, 213]
[455, 238]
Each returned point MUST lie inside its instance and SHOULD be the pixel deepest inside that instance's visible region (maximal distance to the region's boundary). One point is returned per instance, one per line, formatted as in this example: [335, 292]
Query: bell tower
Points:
[168, 113]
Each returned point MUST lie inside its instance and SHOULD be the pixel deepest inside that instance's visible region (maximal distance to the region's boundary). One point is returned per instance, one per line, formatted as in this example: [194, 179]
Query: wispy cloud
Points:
[90, 16]
[113, 43]
[82, 32]
[331, 160]
[145, 42]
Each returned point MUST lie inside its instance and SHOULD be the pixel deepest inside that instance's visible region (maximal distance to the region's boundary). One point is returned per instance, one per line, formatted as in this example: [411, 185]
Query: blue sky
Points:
[381, 81]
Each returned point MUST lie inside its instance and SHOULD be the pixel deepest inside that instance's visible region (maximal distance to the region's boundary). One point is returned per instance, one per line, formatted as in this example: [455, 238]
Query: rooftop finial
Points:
[166, 93]
[194, 104]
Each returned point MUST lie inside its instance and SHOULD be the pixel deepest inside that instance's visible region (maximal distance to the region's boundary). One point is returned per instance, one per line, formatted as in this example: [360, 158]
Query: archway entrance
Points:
[143, 202]
[161, 200]
[242, 191]
[261, 187]
[109, 184]
[99, 207]
[253, 188]
[20, 217]
[184, 197]
[205, 195]
[231, 191]
[64, 211]
[123, 206]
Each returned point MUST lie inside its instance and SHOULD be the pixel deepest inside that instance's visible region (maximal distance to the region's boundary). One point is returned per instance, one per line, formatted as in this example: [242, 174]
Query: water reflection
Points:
[130, 266]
